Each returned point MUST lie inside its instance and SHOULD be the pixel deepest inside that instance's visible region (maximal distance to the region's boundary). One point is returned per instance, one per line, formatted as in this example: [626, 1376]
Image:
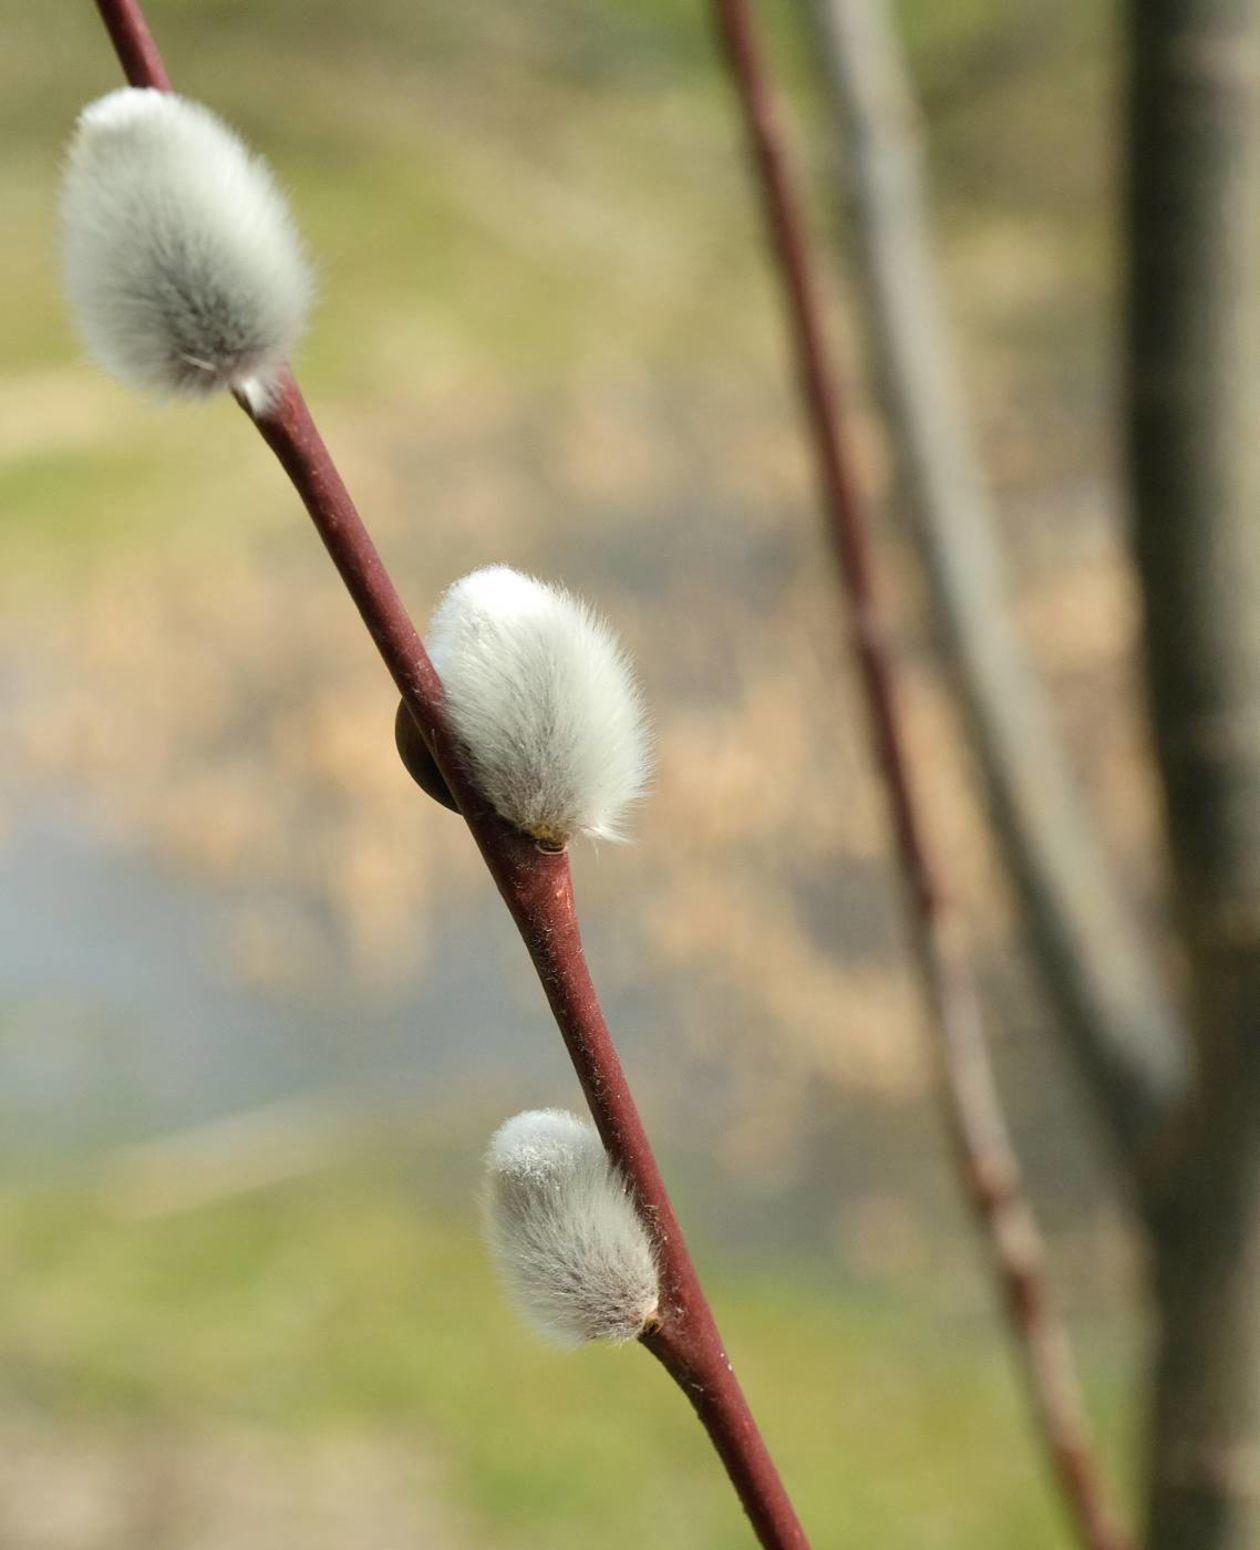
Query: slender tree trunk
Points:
[1194, 454]
[1101, 980]
[1204, 1463]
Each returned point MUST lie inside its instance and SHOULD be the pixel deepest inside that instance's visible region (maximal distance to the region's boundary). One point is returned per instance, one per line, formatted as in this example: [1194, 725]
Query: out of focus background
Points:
[259, 1007]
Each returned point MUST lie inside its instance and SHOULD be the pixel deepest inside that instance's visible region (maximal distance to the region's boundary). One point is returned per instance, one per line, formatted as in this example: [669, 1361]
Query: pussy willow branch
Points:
[537, 888]
[973, 1110]
[133, 43]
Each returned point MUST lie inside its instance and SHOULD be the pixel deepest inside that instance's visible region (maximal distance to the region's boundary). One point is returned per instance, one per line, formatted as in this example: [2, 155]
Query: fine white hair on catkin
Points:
[181, 262]
[544, 700]
[565, 1236]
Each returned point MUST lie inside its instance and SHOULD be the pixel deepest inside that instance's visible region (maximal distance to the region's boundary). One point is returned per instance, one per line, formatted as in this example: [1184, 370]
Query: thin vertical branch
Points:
[1117, 1019]
[985, 1158]
[537, 888]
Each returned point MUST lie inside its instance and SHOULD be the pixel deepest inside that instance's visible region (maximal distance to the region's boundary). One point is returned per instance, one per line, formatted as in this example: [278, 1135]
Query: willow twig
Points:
[977, 1127]
[537, 888]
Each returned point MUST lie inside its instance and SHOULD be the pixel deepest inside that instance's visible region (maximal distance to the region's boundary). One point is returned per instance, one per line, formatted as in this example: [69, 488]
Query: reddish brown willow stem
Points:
[133, 43]
[972, 1104]
[537, 888]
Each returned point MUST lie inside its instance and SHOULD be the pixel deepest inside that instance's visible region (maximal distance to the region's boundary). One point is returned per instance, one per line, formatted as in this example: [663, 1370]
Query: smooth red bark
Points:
[537, 888]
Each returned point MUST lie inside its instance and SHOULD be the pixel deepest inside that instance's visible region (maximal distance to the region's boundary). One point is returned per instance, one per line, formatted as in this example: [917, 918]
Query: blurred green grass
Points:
[354, 1299]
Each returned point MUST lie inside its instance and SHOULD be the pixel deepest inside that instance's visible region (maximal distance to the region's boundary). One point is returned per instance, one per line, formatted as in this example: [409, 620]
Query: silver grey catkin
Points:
[564, 1233]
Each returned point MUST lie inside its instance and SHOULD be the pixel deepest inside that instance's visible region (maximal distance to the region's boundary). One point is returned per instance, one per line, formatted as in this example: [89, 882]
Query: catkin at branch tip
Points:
[570, 1247]
[544, 700]
[181, 261]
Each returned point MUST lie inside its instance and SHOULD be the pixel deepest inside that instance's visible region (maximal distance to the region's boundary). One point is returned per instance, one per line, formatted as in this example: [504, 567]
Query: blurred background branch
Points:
[1101, 979]
[1193, 402]
[985, 1159]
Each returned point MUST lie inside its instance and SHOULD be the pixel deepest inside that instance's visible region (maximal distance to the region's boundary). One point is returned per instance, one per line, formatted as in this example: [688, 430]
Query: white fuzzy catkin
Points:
[564, 1233]
[181, 261]
[544, 700]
